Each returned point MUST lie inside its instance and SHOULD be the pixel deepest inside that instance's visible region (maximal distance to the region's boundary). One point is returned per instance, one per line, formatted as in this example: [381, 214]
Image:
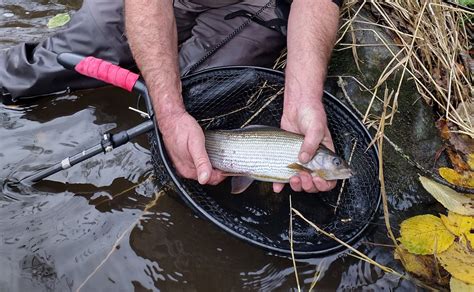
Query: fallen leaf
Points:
[453, 201]
[425, 234]
[465, 110]
[422, 266]
[470, 161]
[469, 238]
[457, 161]
[456, 285]
[459, 262]
[458, 224]
[59, 20]
[461, 143]
[442, 126]
[464, 179]
[461, 226]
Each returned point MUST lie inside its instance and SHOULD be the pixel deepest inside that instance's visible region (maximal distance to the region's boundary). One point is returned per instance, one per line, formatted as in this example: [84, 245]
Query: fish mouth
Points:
[349, 173]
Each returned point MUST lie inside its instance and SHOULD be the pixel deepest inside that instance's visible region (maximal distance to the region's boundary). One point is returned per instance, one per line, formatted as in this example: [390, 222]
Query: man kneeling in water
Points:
[167, 39]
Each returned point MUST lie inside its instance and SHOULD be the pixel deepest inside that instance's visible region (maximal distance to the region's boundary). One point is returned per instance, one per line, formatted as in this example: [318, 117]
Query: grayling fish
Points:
[268, 154]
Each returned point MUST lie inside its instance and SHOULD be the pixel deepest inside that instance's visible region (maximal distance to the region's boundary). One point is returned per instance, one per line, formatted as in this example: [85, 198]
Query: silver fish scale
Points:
[262, 154]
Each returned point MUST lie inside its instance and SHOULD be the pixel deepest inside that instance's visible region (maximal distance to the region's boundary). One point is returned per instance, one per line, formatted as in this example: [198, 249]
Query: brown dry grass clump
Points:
[435, 41]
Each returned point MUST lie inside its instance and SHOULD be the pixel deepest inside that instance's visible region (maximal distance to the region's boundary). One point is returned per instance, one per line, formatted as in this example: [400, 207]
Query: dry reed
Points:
[434, 40]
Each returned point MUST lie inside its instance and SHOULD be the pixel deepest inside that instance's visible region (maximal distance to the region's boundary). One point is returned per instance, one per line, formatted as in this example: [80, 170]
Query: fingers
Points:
[278, 187]
[310, 144]
[305, 182]
[327, 140]
[295, 184]
[216, 177]
[323, 185]
[197, 150]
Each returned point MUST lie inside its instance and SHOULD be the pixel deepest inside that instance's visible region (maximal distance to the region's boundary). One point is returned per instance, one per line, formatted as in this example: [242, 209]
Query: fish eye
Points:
[337, 161]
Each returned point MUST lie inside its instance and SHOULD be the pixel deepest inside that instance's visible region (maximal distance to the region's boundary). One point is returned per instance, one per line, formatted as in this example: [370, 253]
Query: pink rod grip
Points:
[107, 72]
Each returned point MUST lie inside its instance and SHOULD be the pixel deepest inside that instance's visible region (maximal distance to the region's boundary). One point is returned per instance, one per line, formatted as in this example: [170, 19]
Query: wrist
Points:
[169, 111]
[304, 84]
[167, 105]
[168, 122]
[165, 92]
[304, 96]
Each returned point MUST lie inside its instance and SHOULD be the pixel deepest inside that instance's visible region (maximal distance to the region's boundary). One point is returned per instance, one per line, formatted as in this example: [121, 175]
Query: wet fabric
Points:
[97, 29]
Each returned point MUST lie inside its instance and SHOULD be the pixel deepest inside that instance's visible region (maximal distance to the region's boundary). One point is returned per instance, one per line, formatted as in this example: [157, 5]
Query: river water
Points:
[98, 227]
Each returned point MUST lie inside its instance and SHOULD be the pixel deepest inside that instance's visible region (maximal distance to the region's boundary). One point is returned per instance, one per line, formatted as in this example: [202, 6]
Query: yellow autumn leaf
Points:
[456, 285]
[459, 262]
[458, 224]
[461, 226]
[425, 234]
[424, 266]
[470, 161]
[465, 179]
[469, 236]
[453, 201]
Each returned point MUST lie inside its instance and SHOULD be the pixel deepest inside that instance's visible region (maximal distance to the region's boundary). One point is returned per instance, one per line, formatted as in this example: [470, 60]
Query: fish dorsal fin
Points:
[299, 167]
[240, 184]
[260, 128]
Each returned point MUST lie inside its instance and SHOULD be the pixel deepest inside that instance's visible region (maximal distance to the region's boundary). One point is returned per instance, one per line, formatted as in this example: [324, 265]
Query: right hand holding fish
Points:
[309, 119]
[184, 141]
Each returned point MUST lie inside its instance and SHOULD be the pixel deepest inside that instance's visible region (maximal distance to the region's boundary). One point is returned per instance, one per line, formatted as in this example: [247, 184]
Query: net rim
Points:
[179, 183]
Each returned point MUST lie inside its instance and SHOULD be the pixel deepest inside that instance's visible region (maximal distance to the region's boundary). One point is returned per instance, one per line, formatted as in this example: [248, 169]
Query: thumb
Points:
[197, 150]
[310, 144]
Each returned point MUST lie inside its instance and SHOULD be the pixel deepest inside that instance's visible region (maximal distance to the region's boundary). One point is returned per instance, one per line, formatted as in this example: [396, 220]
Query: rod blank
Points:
[108, 143]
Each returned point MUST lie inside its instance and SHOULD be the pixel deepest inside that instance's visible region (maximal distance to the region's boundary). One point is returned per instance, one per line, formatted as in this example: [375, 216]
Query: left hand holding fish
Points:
[309, 119]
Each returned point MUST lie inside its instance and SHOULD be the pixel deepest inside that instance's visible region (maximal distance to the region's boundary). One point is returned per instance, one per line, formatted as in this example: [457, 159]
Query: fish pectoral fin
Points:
[321, 173]
[240, 183]
[299, 167]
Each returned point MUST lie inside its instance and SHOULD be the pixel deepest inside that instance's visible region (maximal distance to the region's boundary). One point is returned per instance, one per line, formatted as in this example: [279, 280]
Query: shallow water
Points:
[97, 226]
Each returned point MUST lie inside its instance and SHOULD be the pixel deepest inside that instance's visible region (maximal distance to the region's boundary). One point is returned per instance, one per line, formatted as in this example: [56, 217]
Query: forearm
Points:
[312, 29]
[152, 35]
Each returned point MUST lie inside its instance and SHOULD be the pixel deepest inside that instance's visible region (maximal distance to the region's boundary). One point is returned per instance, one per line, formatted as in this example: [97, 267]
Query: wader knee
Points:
[31, 69]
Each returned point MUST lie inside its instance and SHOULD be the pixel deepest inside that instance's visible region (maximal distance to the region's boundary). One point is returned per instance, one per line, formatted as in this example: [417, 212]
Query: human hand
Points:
[184, 141]
[309, 119]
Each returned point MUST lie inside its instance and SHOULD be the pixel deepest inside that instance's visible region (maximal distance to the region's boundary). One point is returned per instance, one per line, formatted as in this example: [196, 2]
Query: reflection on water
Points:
[86, 227]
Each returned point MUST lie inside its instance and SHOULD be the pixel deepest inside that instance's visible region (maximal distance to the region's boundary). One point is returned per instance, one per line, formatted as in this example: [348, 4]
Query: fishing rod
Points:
[111, 74]
[107, 144]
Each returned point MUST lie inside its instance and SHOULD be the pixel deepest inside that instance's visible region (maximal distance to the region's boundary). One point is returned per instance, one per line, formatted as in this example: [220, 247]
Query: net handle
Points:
[104, 71]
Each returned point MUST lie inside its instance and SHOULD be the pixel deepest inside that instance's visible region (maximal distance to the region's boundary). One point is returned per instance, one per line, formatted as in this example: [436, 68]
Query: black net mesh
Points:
[228, 98]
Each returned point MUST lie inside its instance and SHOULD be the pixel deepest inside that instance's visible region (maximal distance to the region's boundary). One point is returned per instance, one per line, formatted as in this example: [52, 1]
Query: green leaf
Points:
[59, 20]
